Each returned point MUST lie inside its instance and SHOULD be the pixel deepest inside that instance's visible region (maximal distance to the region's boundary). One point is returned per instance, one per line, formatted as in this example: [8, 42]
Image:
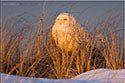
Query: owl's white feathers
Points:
[67, 33]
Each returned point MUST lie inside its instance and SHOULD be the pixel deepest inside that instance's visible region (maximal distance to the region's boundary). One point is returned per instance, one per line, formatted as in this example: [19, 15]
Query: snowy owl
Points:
[67, 33]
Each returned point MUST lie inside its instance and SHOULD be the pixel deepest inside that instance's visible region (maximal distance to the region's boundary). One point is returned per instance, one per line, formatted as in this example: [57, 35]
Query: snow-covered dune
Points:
[93, 76]
[103, 76]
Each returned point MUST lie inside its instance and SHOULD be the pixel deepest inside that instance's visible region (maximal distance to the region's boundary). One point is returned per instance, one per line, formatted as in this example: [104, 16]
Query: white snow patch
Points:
[103, 76]
[93, 76]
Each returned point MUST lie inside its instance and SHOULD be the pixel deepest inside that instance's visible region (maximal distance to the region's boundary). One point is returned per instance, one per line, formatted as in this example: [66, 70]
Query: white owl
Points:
[67, 33]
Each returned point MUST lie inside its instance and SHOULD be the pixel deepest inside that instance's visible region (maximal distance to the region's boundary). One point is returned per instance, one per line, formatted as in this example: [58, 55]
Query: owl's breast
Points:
[61, 29]
[63, 35]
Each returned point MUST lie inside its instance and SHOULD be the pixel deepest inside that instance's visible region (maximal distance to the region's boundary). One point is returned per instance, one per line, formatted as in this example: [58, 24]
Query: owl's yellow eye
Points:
[64, 19]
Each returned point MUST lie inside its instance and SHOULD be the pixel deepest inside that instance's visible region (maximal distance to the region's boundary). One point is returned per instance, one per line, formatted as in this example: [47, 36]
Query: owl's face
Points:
[65, 19]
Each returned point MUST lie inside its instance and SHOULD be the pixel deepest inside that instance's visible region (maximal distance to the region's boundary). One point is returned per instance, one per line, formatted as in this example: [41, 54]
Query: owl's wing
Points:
[90, 35]
[81, 34]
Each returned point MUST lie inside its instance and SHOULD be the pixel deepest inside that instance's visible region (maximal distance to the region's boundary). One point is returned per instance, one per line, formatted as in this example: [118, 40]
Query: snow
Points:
[103, 76]
[93, 76]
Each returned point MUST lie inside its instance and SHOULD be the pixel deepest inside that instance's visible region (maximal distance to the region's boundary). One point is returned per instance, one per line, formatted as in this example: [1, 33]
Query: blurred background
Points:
[81, 10]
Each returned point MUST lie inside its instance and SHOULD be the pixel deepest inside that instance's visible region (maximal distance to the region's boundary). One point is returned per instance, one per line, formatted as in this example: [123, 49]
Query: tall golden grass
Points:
[30, 50]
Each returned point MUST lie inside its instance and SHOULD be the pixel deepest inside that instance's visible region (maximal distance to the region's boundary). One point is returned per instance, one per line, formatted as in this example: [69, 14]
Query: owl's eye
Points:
[64, 19]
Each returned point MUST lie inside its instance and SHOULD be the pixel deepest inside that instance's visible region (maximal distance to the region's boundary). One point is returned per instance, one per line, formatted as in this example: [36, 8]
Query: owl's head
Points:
[65, 18]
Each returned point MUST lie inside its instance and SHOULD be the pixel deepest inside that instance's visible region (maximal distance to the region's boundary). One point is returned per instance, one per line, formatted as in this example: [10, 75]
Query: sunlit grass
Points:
[30, 50]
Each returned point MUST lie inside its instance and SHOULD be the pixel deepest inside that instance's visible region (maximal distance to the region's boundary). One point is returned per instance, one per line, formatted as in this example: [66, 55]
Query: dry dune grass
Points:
[29, 50]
